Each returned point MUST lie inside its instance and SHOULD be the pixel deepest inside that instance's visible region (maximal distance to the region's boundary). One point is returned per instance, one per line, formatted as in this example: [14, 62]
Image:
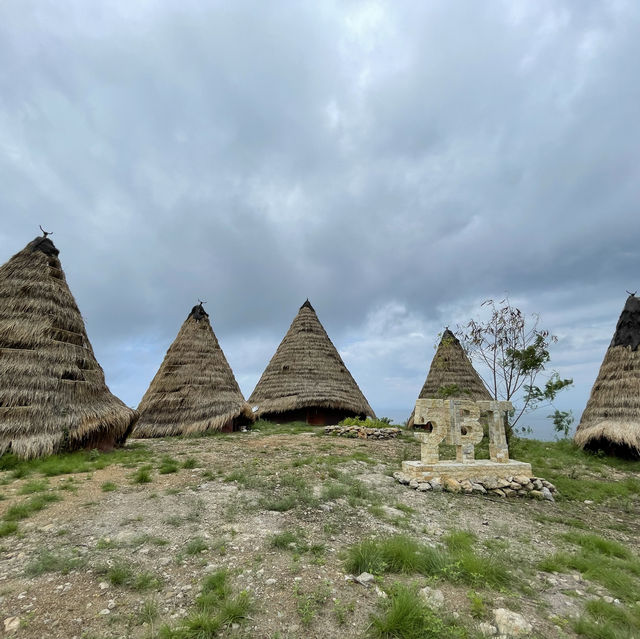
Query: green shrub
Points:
[47, 561]
[142, 475]
[8, 528]
[405, 615]
[167, 466]
[30, 506]
[196, 546]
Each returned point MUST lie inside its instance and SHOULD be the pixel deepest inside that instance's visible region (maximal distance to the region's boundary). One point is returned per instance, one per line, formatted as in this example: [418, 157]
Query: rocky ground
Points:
[114, 555]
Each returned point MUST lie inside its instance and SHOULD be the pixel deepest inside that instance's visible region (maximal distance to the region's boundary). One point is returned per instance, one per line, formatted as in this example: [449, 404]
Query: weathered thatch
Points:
[194, 389]
[451, 375]
[307, 374]
[53, 395]
[611, 420]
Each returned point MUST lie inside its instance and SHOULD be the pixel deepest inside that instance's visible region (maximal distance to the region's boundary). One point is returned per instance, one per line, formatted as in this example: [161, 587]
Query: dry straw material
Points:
[451, 375]
[611, 420]
[307, 372]
[53, 395]
[194, 389]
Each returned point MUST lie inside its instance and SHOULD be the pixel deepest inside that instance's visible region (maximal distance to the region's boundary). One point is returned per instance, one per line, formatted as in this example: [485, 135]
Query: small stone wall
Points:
[362, 432]
[535, 487]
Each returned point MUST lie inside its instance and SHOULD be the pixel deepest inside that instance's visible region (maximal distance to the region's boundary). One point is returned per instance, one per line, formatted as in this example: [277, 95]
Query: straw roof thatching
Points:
[307, 372]
[611, 420]
[53, 395]
[451, 375]
[194, 389]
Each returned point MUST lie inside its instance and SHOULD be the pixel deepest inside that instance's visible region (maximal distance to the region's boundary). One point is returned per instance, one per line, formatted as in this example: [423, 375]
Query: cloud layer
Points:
[395, 162]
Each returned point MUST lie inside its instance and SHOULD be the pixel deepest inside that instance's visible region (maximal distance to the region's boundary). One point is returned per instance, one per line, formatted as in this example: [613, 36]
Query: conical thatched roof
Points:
[451, 375]
[611, 420]
[194, 389]
[53, 395]
[307, 371]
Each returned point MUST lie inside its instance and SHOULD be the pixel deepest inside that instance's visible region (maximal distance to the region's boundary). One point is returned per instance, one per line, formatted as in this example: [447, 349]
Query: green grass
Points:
[189, 463]
[279, 504]
[34, 486]
[123, 574]
[108, 487]
[457, 562]
[71, 463]
[292, 428]
[579, 475]
[216, 608]
[405, 615]
[195, 546]
[47, 561]
[8, 528]
[142, 475]
[604, 561]
[608, 621]
[27, 508]
[168, 465]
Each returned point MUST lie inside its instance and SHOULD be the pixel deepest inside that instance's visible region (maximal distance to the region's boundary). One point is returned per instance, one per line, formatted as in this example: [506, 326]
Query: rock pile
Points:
[362, 432]
[535, 487]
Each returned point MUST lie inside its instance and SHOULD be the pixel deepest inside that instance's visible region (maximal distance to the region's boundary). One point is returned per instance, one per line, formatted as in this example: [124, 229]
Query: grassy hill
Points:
[260, 535]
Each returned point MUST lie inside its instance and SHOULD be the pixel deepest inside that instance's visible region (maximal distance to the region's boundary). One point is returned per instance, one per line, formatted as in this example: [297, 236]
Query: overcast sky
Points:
[396, 162]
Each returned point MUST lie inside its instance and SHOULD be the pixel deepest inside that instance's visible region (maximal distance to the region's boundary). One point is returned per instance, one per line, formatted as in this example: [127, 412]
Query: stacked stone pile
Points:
[362, 432]
[520, 485]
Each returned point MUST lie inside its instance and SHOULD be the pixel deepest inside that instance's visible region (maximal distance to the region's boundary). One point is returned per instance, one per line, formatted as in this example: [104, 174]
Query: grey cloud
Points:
[369, 155]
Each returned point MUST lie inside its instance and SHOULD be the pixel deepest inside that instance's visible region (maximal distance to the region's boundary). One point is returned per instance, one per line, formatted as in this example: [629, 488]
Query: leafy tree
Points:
[515, 350]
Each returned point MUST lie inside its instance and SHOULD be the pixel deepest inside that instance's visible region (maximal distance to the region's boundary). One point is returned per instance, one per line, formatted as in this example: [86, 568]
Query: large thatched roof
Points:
[611, 420]
[307, 371]
[194, 389]
[451, 375]
[53, 394]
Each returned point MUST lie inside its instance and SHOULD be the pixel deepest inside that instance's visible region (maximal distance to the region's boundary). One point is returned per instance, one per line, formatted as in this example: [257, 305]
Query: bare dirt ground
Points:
[114, 558]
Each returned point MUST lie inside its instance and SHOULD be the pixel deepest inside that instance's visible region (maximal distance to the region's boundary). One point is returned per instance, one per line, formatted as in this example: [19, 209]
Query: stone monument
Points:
[460, 423]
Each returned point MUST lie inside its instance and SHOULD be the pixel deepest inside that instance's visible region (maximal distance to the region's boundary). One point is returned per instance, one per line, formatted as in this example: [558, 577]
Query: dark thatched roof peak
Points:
[43, 244]
[628, 327]
[198, 313]
[307, 304]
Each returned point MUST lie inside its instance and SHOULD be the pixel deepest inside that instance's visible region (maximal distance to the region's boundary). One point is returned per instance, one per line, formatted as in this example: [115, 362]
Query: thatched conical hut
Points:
[53, 395]
[306, 379]
[611, 420]
[194, 389]
[452, 375]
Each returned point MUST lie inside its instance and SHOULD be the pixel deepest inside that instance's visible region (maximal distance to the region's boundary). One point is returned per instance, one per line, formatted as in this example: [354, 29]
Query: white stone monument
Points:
[459, 422]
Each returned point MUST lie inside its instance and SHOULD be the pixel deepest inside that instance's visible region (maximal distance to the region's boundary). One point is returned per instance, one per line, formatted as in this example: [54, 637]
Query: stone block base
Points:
[478, 469]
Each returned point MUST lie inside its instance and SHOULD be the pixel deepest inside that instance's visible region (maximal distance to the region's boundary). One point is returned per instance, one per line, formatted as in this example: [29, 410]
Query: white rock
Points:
[365, 578]
[105, 611]
[546, 494]
[112, 604]
[486, 629]
[511, 623]
[381, 593]
[103, 585]
[424, 486]
[270, 581]
[11, 624]
[433, 598]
